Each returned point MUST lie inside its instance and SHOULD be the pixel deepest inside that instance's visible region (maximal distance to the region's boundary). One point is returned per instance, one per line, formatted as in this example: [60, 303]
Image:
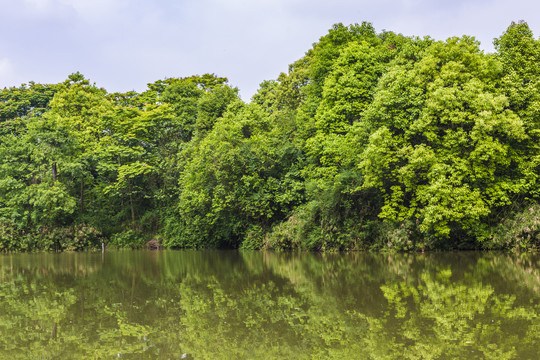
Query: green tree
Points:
[19, 103]
[519, 53]
[242, 177]
[446, 149]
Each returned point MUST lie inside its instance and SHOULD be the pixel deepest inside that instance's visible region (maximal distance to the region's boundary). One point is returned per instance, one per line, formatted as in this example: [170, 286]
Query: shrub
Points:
[130, 238]
[518, 230]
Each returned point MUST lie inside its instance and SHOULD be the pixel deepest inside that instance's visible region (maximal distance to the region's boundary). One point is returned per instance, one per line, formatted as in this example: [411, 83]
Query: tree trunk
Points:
[54, 172]
[82, 196]
[131, 203]
[54, 330]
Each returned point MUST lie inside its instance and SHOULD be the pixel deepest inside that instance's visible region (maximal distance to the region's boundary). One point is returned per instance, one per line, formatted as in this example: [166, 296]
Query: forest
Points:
[371, 141]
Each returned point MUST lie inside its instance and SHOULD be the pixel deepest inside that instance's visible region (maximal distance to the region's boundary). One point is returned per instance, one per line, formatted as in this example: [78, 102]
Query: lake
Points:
[265, 305]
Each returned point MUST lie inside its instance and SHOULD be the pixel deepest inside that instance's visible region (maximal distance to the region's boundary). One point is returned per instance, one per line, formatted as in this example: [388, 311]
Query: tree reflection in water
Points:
[226, 304]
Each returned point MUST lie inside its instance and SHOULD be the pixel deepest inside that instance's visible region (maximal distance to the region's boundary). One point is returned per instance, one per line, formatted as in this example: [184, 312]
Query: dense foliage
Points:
[371, 140]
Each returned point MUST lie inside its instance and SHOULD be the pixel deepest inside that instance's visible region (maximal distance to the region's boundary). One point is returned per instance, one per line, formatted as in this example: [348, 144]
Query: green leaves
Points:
[240, 174]
[448, 145]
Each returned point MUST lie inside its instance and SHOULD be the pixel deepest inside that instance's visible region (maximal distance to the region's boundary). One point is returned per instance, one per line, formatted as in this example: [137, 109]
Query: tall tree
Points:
[446, 148]
[239, 180]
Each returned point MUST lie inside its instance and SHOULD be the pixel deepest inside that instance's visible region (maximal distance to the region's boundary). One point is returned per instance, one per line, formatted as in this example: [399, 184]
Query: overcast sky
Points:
[122, 45]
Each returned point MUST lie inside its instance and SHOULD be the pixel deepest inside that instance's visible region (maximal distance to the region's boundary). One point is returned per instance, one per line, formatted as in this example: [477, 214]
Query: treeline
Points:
[371, 140]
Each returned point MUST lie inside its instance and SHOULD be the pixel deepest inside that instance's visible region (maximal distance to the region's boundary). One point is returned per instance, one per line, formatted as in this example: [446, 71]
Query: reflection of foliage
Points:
[124, 338]
[222, 305]
[442, 318]
[241, 322]
[36, 311]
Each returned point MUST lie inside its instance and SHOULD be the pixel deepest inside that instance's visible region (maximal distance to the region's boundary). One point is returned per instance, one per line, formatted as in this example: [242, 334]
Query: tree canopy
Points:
[370, 140]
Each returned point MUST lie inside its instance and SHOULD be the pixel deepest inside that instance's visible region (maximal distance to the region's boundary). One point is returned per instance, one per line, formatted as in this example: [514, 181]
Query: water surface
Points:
[263, 305]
